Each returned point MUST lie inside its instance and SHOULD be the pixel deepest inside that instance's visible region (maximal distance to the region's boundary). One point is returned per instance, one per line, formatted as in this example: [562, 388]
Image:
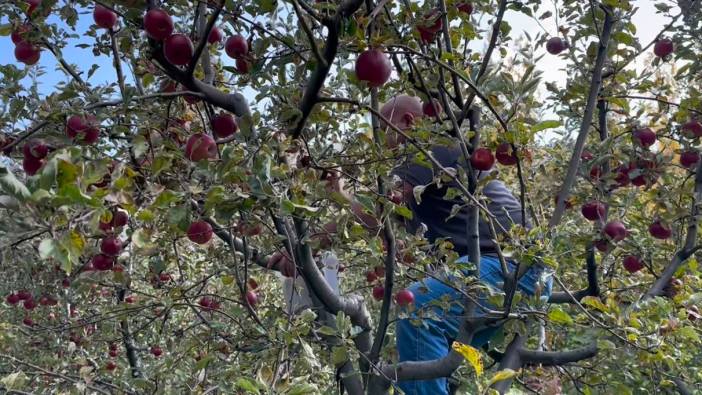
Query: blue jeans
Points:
[433, 338]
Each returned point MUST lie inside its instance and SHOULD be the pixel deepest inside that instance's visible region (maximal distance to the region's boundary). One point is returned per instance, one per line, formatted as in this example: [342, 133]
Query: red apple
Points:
[432, 108]
[158, 24]
[482, 159]
[659, 230]
[586, 156]
[28, 321]
[644, 137]
[200, 232]
[689, 159]
[224, 125]
[18, 34]
[465, 7]
[252, 283]
[199, 147]
[33, 4]
[373, 67]
[24, 295]
[113, 353]
[215, 35]
[595, 173]
[102, 262]
[104, 17]
[430, 25]
[119, 218]
[615, 231]
[129, 299]
[178, 49]
[663, 47]
[111, 246]
[404, 297]
[236, 46]
[594, 210]
[378, 292]
[379, 271]
[27, 53]
[205, 302]
[251, 298]
[632, 264]
[12, 299]
[692, 129]
[556, 45]
[156, 351]
[371, 276]
[65, 283]
[29, 304]
[243, 65]
[36, 149]
[75, 124]
[505, 155]
[110, 366]
[622, 177]
[31, 165]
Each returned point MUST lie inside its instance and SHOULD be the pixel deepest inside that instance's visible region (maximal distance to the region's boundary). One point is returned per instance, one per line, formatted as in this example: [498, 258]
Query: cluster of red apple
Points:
[110, 245]
[29, 303]
[482, 158]
[26, 51]
[201, 146]
[403, 297]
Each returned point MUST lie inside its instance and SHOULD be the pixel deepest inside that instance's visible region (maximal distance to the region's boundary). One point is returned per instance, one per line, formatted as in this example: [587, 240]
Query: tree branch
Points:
[319, 75]
[552, 358]
[688, 248]
[595, 84]
[118, 62]
[204, 35]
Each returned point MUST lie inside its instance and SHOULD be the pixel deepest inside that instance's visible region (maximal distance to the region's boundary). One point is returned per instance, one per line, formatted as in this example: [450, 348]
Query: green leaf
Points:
[14, 381]
[51, 249]
[595, 303]
[303, 388]
[339, 355]
[203, 362]
[247, 385]
[403, 211]
[545, 125]
[12, 186]
[5, 29]
[559, 316]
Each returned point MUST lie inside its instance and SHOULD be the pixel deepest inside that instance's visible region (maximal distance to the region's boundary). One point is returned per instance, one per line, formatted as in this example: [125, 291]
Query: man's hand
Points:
[282, 262]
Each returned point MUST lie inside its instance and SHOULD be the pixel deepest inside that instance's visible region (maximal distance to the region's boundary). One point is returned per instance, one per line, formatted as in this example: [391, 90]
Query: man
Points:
[432, 339]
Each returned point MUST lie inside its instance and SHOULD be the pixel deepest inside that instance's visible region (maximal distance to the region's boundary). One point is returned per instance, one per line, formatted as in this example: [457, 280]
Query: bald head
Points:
[402, 110]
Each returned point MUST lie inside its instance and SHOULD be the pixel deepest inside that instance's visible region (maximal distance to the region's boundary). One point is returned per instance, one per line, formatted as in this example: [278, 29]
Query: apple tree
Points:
[167, 194]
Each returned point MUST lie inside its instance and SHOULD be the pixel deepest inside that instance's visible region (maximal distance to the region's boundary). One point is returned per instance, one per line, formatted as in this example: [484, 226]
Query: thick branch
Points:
[204, 35]
[595, 84]
[319, 75]
[510, 360]
[593, 288]
[552, 358]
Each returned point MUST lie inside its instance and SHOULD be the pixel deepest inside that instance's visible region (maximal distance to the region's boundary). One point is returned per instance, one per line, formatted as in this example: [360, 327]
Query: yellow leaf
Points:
[503, 375]
[472, 355]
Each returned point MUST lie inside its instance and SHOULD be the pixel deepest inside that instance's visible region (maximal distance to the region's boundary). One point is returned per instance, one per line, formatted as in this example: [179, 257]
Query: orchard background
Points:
[155, 166]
